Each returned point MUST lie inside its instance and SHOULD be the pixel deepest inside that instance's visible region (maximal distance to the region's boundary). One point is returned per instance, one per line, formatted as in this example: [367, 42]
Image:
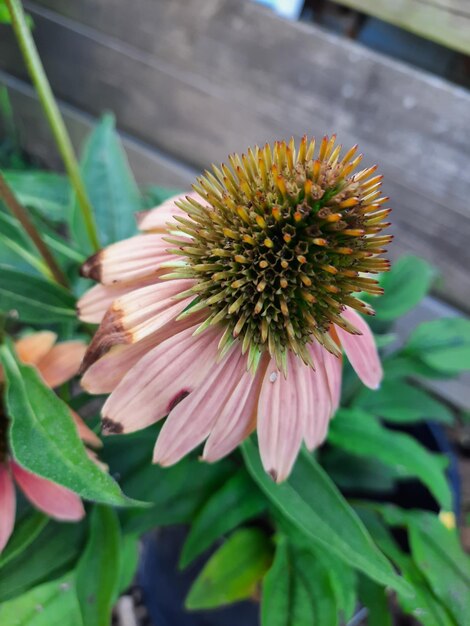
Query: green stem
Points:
[18, 211]
[54, 117]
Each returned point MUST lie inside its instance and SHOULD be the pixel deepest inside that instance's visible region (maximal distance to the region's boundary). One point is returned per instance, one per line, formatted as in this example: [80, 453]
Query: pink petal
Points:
[159, 380]
[156, 219]
[361, 350]
[137, 315]
[316, 426]
[96, 301]
[128, 260]
[106, 373]
[282, 410]
[84, 432]
[334, 372]
[7, 505]
[61, 363]
[49, 497]
[34, 347]
[237, 418]
[191, 421]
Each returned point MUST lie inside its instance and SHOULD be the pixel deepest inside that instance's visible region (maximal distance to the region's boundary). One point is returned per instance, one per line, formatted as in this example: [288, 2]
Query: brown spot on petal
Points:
[110, 333]
[177, 399]
[108, 427]
[92, 266]
[273, 475]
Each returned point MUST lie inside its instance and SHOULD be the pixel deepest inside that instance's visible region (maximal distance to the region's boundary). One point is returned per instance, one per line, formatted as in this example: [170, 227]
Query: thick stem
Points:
[18, 211]
[54, 117]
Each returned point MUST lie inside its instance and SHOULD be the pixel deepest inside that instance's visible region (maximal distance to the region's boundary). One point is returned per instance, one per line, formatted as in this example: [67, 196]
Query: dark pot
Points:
[165, 587]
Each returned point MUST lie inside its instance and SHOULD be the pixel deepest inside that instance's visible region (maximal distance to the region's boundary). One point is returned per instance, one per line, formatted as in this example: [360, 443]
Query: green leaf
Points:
[25, 532]
[129, 561]
[98, 570]
[423, 605]
[239, 500]
[360, 433]
[285, 598]
[16, 249]
[405, 286]
[51, 554]
[374, 597]
[353, 473]
[44, 438]
[317, 580]
[400, 402]
[35, 299]
[47, 192]
[442, 344]
[233, 572]
[51, 604]
[155, 195]
[111, 187]
[442, 561]
[177, 492]
[312, 503]
[400, 365]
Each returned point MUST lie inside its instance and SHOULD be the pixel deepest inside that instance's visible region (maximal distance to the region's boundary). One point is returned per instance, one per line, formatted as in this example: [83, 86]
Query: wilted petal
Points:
[62, 362]
[49, 497]
[161, 379]
[129, 260]
[361, 350]
[106, 373]
[137, 315]
[7, 505]
[190, 422]
[237, 418]
[281, 416]
[32, 348]
[96, 301]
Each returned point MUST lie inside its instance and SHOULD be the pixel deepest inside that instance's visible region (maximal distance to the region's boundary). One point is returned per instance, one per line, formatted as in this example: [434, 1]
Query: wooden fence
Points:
[197, 79]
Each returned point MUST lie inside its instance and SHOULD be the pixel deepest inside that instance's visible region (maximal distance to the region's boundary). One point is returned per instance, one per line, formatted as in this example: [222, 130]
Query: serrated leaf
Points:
[35, 299]
[360, 433]
[442, 344]
[312, 503]
[404, 286]
[110, 185]
[98, 570]
[233, 572]
[53, 603]
[47, 192]
[400, 402]
[239, 500]
[44, 438]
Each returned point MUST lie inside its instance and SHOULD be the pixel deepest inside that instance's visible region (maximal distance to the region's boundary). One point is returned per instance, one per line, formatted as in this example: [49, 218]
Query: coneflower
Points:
[231, 309]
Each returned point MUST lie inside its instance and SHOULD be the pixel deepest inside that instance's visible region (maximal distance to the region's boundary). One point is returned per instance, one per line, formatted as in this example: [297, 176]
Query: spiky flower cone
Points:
[281, 244]
[237, 300]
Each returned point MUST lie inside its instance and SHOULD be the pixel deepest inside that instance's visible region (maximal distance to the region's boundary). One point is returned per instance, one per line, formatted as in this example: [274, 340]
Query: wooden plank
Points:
[150, 167]
[203, 78]
[444, 21]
